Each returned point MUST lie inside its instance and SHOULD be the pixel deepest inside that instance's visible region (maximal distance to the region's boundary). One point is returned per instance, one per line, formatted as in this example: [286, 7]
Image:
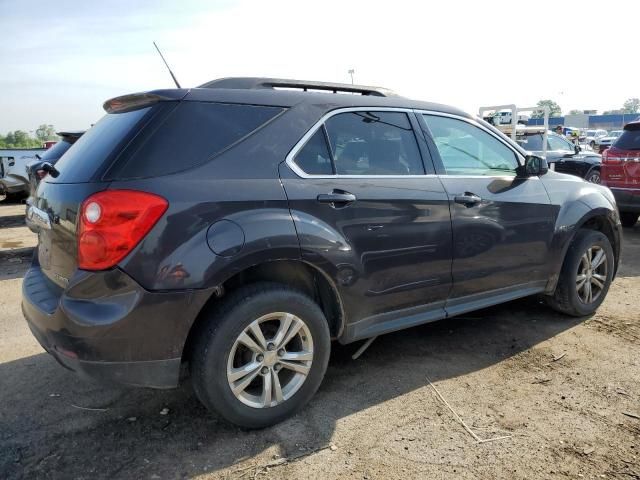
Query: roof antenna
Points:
[175, 80]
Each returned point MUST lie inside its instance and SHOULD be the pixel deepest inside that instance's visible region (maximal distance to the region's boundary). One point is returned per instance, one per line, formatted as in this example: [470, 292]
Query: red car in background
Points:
[621, 172]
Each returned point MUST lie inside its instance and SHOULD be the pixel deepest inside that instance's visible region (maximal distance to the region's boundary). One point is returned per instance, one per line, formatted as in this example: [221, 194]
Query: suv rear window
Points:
[630, 138]
[54, 153]
[89, 154]
[190, 135]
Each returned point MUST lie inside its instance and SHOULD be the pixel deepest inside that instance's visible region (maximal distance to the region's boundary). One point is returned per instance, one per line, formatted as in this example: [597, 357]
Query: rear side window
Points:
[314, 158]
[190, 135]
[629, 140]
[88, 155]
[374, 143]
[362, 143]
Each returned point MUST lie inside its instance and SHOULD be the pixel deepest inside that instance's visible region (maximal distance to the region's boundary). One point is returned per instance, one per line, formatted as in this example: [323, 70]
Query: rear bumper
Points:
[627, 199]
[106, 327]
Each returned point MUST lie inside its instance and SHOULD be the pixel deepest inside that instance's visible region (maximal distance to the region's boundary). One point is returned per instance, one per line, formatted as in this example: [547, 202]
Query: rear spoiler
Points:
[135, 101]
[633, 126]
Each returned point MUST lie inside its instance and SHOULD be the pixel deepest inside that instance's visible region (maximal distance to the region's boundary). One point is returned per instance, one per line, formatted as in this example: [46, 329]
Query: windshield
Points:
[532, 143]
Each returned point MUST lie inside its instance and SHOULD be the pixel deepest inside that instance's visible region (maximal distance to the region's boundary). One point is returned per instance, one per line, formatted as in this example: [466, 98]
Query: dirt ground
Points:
[565, 392]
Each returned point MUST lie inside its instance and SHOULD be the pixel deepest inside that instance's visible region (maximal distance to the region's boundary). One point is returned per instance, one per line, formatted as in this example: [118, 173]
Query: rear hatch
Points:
[143, 136]
[57, 201]
[621, 162]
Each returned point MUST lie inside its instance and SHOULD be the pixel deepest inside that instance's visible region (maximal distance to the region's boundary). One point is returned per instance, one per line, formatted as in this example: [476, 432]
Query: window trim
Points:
[418, 113]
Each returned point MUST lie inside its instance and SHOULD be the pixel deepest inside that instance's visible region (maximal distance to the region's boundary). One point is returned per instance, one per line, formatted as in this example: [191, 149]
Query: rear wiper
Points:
[50, 169]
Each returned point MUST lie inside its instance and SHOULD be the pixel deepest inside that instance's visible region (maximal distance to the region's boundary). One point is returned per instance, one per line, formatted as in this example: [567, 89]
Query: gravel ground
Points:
[565, 392]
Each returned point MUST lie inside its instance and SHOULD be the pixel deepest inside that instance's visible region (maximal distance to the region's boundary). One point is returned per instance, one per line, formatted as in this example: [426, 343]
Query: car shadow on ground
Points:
[630, 250]
[47, 430]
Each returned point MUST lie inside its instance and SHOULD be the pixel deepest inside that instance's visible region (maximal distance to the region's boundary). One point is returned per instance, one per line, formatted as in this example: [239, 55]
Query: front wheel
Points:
[586, 275]
[261, 356]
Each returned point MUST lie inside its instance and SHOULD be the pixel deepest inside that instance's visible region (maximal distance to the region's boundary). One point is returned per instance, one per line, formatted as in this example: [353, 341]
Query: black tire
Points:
[215, 341]
[593, 176]
[565, 298]
[628, 219]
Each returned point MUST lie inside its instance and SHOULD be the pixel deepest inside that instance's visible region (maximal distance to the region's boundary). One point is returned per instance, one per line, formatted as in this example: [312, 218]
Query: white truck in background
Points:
[505, 117]
[14, 179]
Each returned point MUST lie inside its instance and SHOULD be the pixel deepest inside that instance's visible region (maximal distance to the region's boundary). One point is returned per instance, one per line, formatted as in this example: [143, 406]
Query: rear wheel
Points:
[261, 356]
[628, 219]
[586, 275]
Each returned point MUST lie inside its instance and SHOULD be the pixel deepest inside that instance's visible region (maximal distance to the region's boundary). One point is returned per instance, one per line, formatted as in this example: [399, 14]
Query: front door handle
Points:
[337, 198]
[467, 199]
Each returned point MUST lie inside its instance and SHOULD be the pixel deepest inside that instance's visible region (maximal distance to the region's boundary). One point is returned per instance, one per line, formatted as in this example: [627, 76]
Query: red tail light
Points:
[611, 156]
[112, 223]
[41, 174]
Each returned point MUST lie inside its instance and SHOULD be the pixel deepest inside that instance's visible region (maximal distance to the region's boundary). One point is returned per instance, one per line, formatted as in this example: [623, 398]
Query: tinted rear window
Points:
[54, 153]
[531, 142]
[89, 154]
[629, 140]
[190, 135]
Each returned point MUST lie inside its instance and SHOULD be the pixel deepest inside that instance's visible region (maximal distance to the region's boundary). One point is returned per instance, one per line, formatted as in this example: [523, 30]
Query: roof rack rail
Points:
[256, 83]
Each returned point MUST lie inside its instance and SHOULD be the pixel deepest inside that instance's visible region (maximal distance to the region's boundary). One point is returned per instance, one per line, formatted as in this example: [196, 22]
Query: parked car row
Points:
[241, 226]
[602, 143]
[591, 137]
[562, 155]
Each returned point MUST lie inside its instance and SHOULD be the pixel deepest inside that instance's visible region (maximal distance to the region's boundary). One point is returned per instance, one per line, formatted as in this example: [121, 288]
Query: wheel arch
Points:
[297, 274]
[603, 220]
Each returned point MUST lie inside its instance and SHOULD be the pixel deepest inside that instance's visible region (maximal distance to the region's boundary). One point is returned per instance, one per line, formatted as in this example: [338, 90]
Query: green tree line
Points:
[22, 139]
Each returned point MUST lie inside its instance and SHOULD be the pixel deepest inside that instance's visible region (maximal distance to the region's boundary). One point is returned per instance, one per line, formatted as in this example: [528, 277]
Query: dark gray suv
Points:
[241, 226]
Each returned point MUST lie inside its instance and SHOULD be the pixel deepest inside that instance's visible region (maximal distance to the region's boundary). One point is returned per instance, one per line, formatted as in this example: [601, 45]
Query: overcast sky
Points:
[59, 61]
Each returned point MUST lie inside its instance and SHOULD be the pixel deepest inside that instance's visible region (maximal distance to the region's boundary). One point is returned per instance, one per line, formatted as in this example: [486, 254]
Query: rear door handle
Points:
[467, 199]
[337, 199]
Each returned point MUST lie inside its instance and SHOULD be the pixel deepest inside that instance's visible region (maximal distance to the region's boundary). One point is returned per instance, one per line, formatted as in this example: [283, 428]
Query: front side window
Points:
[468, 150]
[373, 143]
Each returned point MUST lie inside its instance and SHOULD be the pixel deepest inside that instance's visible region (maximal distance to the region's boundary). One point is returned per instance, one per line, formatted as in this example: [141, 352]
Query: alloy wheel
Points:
[594, 178]
[270, 360]
[592, 274]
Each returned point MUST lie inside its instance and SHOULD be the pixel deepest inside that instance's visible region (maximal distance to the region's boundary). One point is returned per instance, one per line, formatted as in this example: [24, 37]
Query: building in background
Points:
[583, 120]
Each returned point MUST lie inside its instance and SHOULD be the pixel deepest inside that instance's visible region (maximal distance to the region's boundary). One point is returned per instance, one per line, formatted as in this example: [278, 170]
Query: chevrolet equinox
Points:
[240, 227]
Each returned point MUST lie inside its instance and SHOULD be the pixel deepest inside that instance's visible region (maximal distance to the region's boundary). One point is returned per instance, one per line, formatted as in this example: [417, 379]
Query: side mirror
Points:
[533, 166]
